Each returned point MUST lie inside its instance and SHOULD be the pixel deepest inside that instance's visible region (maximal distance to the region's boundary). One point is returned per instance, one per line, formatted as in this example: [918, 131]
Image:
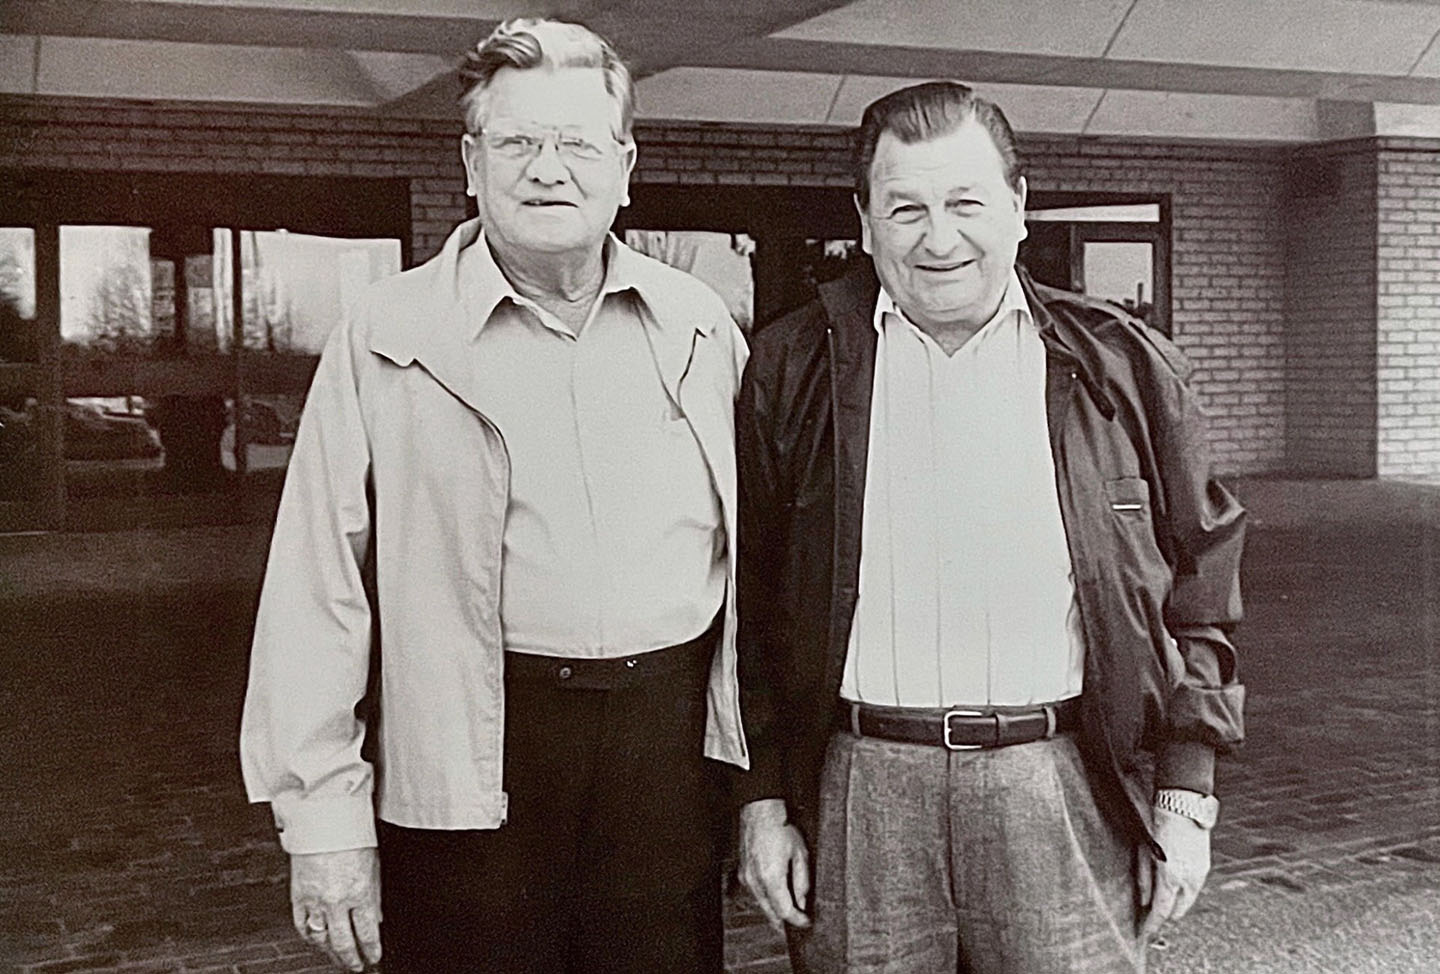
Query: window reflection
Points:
[721, 260]
[1121, 272]
[827, 260]
[296, 286]
[19, 341]
[139, 445]
[106, 289]
[270, 425]
[20, 458]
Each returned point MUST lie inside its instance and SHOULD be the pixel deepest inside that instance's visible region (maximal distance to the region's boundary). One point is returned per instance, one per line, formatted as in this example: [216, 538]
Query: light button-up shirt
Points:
[966, 593]
[614, 542]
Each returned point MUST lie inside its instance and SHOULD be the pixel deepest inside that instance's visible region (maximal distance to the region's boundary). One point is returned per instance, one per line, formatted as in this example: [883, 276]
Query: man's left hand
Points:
[1168, 889]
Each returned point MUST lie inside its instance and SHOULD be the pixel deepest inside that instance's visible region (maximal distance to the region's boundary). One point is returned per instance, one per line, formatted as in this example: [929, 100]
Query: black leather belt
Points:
[681, 664]
[960, 729]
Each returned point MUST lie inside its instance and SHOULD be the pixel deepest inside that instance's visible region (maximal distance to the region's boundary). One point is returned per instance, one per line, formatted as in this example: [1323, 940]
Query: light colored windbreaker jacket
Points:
[388, 540]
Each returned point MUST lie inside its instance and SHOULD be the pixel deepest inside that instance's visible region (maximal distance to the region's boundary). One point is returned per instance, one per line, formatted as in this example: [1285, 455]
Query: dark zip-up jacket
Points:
[1154, 543]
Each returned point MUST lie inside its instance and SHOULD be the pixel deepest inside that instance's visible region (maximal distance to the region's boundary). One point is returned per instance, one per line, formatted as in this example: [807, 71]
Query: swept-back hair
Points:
[927, 111]
[533, 42]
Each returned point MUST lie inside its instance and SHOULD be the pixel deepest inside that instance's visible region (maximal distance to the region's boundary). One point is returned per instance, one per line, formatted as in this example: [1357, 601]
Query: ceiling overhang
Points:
[1281, 71]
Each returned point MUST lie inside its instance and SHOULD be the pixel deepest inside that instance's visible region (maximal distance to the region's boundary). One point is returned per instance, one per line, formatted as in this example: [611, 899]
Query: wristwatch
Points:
[1203, 810]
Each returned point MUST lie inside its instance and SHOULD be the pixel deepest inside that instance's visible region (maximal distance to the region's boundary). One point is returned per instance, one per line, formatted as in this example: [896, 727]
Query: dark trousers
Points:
[607, 861]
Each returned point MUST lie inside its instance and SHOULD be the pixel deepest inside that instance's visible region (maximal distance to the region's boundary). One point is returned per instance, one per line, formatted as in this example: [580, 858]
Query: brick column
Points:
[1330, 302]
[1408, 326]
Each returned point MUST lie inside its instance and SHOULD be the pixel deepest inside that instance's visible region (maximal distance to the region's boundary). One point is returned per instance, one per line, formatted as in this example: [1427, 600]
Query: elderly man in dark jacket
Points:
[987, 583]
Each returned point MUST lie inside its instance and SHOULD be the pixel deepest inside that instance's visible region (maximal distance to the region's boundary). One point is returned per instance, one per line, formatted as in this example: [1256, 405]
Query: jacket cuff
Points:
[1186, 764]
[324, 825]
[765, 779]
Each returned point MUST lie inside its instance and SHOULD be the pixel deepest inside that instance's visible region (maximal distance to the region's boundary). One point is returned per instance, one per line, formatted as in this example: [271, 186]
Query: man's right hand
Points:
[335, 903]
[774, 864]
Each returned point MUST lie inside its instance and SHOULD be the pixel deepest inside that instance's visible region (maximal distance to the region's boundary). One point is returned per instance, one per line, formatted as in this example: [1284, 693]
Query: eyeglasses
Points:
[527, 144]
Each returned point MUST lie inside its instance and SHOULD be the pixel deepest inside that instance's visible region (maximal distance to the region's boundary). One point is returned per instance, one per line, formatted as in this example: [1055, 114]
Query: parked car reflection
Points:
[112, 429]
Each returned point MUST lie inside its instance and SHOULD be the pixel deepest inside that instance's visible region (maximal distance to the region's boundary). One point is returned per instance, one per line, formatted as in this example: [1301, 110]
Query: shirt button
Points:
[566, 673]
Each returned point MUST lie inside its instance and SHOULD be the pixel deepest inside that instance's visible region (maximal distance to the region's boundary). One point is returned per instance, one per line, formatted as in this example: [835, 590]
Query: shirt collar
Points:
[484, 286]
[1012, 300]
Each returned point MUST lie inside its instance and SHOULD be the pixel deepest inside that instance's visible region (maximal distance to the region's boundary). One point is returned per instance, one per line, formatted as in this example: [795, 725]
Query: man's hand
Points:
[1168, 889]
[335, 903]
[774, 865]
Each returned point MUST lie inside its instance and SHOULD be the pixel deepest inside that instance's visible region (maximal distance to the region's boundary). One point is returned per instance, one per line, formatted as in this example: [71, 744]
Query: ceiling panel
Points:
[705, 94]
[398, 74]
[779, 97]
[1029, 108]
[1079, 27]
[17, 65]
[1303, 35]
[1162, 114]
[1429, 64]
[210, 23]
[1419, 121]
[161, 69]
[484, 9]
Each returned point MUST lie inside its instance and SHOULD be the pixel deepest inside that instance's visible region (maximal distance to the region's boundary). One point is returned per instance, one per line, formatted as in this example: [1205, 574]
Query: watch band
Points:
[1203, 810]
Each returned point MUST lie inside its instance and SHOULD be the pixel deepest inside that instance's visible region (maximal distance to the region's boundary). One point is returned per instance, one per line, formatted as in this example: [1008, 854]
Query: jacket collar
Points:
[436, 319]
[849, 304]
[1066, 343]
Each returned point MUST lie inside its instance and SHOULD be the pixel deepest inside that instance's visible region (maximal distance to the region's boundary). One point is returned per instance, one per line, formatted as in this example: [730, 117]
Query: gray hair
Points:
[533, 42]
[927, 111]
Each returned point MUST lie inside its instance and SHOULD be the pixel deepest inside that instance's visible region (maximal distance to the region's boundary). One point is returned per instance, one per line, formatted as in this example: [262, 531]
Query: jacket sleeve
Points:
[300, 738]
[762, 533]
[1205, 533]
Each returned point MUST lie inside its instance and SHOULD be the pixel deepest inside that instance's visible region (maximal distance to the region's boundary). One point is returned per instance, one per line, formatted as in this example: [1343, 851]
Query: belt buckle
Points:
[951, 745]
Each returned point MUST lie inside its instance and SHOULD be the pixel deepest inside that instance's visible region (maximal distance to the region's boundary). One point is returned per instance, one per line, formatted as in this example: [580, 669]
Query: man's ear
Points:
[631, 153]
[469, 158]
[1020, 197]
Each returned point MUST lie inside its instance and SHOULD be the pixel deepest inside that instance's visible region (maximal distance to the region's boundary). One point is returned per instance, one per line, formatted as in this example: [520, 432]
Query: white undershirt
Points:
[966, 592]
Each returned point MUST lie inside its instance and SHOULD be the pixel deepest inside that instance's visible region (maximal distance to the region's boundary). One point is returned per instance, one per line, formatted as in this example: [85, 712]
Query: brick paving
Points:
[126, 843]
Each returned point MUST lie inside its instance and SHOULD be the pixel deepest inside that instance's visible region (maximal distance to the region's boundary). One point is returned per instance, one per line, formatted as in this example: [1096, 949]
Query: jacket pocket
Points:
[1129, 497]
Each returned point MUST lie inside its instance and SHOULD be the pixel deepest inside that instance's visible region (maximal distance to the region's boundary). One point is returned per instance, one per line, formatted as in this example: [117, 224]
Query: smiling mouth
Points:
[944, 268]
[548, 203]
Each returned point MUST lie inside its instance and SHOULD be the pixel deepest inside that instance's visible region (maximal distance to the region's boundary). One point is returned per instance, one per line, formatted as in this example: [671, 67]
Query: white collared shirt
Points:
[613, 542]
[966, 592]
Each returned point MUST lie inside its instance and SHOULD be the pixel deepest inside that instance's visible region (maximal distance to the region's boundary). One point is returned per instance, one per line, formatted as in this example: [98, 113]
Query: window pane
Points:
[1122, 273]
[296, 286]
[1100, 213]
[18, 339]
[20, 459]
[106, 290]
[721, 260]
[270, 425]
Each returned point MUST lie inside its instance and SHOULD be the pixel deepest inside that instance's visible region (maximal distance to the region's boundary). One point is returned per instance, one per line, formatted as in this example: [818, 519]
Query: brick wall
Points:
[1331, 303]
[1408, 333]
[1228, 282]
[1227, 273]
[123, 137]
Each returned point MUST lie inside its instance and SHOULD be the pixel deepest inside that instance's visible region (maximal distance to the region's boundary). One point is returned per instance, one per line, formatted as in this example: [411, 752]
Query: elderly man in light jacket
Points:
[510, 516]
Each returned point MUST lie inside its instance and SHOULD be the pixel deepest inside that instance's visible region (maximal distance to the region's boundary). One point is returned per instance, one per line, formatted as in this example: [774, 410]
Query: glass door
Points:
[158, 334]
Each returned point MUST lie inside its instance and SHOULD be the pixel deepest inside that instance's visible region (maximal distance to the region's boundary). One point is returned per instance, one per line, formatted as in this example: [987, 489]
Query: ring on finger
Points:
[312, 927]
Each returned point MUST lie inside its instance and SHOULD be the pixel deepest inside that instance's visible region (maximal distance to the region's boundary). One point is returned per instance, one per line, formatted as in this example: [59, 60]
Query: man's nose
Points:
[942, 234]
[547, 166]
